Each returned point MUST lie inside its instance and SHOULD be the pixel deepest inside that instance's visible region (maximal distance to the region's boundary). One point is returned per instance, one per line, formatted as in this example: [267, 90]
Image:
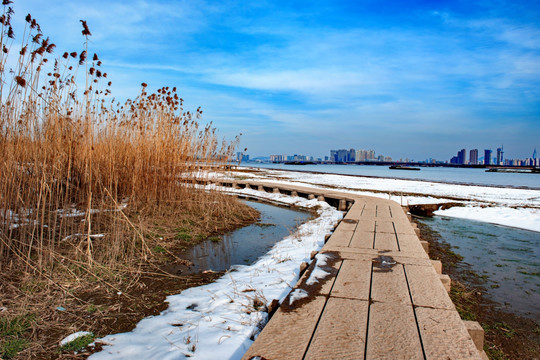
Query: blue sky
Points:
[412, 79]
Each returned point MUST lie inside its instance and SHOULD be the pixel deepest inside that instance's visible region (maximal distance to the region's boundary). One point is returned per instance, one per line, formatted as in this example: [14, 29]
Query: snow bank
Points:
[219, 320]
[518, 208]
[524, 218]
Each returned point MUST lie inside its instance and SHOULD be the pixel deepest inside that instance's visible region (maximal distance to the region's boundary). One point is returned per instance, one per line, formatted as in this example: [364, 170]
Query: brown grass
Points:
[95, 195]
[81, 173]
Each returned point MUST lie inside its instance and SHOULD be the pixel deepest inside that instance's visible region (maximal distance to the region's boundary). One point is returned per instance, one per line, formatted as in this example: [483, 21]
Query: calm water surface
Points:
[441, 174]
[245, 245]
[508, 258]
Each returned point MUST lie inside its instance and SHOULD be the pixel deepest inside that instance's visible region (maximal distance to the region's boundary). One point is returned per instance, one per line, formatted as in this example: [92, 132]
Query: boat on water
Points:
[403, 167]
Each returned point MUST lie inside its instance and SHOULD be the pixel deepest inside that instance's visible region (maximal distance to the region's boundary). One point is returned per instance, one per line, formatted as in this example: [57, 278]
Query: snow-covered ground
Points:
[498, 205]
[218, 320]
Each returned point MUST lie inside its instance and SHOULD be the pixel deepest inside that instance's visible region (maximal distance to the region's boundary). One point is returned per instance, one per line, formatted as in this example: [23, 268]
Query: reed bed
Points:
[81, 173]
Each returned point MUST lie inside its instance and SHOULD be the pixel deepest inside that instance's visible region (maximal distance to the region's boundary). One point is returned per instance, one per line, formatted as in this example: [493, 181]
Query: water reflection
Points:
[508, 258]
[245, 245]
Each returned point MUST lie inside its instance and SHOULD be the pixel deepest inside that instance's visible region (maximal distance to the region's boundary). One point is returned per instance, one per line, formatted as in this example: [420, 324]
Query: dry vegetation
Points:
[92, 191]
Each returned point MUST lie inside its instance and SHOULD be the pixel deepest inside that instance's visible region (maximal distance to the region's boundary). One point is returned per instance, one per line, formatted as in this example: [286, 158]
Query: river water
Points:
[439, 174]
[508, 259]
[245, 245]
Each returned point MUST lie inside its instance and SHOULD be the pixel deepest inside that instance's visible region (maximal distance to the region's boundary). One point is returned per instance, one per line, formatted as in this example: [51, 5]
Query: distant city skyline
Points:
[408, 79]
[463, 156]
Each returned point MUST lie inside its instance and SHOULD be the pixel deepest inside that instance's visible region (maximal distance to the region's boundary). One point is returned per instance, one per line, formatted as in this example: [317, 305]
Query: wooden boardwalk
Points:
[378, 295]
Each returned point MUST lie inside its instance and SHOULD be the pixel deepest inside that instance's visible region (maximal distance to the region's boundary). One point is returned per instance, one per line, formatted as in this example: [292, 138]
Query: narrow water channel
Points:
[245, 245]
[507, 259]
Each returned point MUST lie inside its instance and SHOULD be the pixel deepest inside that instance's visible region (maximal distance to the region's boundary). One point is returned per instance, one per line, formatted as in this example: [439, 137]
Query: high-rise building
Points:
[461, 156]
[473, 157]
[352, 155]
[487, 157]
[500, 153]
[333, 155]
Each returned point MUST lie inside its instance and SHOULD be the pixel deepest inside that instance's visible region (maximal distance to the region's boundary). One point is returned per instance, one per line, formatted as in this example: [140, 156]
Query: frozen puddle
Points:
[224, 317]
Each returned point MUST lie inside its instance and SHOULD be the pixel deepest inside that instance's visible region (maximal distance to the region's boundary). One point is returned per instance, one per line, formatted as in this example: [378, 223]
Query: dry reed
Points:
[79, 170]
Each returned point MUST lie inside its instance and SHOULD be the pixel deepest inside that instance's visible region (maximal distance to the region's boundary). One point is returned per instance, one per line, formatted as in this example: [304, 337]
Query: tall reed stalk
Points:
[69, 154]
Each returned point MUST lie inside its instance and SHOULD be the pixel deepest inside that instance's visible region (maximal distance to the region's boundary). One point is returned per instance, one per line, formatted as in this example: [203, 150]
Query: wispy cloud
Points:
[351, 71]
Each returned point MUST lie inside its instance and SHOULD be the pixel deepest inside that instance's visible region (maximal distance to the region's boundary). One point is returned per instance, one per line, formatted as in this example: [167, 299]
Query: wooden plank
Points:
[426, 288]
[411, 243]
[356, 210]
[384, 226]
[353, 280]
[347, 225]
[385, 241]
[403, 226]
[366, 225]
[359, 253]
[369, 212]
[362, 239]
[444, 335]
[383, 211]
[392, 332]
[341, 333]
[389, 285]
[288, 334]
[340, 238]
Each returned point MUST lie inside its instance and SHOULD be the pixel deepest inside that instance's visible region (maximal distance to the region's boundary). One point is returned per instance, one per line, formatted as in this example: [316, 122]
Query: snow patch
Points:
[225, 318]
[296, 295]
[73, 337]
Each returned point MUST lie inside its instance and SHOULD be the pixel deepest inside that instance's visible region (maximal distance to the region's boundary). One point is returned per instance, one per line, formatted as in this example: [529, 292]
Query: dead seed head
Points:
[95, 57]
[144, 85]
[28, 18]
[20, 81]
[7, 2]
[10, 33]
[36, 38]
[82, 57]
[65, 56]
[85, 31]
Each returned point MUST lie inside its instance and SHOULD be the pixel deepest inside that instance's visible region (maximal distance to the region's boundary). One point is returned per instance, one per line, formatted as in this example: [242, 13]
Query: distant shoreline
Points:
[397, 178]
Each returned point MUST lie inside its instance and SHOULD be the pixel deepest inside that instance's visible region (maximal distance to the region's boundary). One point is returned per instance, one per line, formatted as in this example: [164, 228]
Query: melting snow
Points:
[220, 318]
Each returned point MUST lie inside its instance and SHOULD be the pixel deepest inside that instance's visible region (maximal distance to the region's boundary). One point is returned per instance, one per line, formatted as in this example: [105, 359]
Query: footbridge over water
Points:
[382, 297]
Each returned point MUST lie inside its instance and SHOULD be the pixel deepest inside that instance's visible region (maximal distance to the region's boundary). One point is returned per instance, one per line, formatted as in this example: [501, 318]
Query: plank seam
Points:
[395, 233]
[322, 311]
[368, 311]
[414, 312]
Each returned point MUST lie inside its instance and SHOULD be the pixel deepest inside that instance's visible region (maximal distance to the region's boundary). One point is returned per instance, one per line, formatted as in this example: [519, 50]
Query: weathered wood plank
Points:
[392, 332]
[389, 285]
[287, 336]
[353, 280]
[385, 241]
[444, 335]
[341, 333]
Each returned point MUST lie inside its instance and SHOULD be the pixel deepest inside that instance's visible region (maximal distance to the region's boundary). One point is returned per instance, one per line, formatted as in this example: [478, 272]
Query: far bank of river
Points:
[437, 174]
